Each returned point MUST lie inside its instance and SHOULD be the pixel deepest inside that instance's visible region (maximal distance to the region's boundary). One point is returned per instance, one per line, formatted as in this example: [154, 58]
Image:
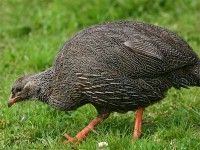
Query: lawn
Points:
[31, 33]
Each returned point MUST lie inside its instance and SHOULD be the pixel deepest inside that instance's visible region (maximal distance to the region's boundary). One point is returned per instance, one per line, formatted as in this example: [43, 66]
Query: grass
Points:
[31, 33]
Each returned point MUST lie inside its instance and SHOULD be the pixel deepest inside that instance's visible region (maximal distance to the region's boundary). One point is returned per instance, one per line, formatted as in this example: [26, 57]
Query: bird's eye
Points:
[18, 89]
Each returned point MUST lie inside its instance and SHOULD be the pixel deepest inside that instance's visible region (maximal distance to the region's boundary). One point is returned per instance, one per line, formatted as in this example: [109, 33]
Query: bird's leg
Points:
[79, 137]
[138, 123]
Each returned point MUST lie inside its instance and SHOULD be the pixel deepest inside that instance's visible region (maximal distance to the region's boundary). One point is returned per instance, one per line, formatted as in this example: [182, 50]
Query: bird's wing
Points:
[152, 57]
[145, 48]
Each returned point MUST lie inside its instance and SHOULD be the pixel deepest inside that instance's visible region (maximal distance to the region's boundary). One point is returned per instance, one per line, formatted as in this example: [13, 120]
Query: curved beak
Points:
[12, 101]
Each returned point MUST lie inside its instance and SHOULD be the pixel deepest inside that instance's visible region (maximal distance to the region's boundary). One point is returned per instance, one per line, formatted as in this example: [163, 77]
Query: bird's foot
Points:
[90, 127]
[71, 139]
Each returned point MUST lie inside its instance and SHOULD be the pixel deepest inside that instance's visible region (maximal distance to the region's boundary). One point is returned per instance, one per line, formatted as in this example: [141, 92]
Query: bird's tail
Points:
[195, 72]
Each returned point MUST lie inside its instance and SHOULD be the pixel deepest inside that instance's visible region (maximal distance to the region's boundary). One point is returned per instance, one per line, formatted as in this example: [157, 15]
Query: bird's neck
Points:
[45, 83]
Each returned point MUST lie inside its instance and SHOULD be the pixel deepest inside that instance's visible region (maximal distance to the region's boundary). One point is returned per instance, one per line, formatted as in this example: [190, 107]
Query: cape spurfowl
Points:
[116, 66]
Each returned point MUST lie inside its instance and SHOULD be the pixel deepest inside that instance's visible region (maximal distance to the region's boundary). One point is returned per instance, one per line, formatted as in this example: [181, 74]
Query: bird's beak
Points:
[12, 101]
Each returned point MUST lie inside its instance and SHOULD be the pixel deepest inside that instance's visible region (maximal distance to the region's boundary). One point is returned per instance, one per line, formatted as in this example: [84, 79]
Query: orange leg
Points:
[138, 123]
[79, 137]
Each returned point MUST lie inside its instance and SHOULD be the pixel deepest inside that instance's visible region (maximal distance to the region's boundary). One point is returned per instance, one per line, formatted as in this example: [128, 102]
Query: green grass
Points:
[31, 33]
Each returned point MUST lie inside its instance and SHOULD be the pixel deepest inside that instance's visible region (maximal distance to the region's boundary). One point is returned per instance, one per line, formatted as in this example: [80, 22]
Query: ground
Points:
[31, 33]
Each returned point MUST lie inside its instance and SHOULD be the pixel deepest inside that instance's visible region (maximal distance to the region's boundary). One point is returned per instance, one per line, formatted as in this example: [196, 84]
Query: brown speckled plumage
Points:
[115, 66]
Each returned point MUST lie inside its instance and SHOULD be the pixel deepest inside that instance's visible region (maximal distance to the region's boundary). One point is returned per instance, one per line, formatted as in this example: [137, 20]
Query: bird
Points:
[117, 66]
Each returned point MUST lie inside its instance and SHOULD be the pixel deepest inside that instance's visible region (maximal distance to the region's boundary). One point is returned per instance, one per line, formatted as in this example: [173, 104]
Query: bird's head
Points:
[24, 88]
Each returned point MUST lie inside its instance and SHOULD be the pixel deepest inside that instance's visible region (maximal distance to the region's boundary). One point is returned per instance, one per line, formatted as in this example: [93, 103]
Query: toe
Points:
[70, 139]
